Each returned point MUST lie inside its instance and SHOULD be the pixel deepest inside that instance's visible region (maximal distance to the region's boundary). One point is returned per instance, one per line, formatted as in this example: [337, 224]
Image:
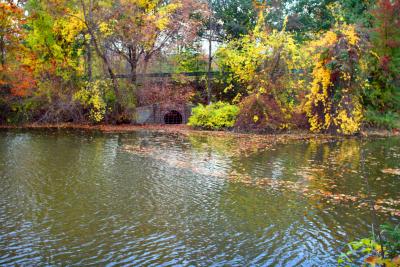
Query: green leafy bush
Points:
[214, 116]
[372, 252]
[388, 120]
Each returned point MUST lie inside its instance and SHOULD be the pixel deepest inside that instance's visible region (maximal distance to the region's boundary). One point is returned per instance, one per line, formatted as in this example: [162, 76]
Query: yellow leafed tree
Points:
[333, 104]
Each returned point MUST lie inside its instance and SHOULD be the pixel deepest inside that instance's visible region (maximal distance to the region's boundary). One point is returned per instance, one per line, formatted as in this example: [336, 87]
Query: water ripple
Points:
[150, 199]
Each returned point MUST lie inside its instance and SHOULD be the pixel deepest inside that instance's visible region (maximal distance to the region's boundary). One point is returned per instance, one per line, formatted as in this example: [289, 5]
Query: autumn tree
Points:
[95, 20]
[10, 22]
[141, 29]
[333, 104]
[384, 93]
[263, 63]
[15, 75]
[56, 39]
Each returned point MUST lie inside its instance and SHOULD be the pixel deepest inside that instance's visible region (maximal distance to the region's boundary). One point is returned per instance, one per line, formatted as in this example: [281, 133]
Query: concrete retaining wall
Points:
[154, 114]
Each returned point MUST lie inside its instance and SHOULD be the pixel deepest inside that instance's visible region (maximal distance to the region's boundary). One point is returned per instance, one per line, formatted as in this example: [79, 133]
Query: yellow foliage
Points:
[255, 118]
[350, 33]
[349, 122]
[105, 29]
[258, 48]
[91, 96]
[163, 15]
[333, 105]
[69, 28]
[265, 65]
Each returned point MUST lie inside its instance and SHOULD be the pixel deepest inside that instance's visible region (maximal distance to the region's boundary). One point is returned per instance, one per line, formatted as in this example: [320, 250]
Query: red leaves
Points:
[387, 31]
[24, 81]
[165, 93]
[266, 109]
[384, 62]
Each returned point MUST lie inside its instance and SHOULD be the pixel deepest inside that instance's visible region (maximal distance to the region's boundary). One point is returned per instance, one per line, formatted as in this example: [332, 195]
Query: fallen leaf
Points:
[391, 171]
[371, 259]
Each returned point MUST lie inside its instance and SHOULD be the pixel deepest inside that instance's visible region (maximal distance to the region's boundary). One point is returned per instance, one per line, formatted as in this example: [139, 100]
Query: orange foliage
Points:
[24, 81]
[18, 78]
[14, 74]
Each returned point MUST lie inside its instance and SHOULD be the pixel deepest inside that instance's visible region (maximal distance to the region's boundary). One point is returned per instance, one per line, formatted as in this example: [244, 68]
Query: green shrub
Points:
[373, 252]
[19, 110]
[215, 116]
[388, 120]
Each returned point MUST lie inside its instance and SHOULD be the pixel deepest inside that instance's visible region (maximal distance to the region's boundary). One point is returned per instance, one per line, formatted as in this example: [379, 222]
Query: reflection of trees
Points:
[75, 190]
[251, 209]
[59, 187]
[326, 170]
[285, 223]
[220, 145]
[330, 166]
[347, 153]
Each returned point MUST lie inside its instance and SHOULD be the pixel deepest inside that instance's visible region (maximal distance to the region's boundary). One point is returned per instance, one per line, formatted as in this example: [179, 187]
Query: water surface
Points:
[148, 199]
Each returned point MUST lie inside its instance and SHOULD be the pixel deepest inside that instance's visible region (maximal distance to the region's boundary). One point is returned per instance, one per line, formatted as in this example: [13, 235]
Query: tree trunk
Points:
[3, 52]
[133, 64]
[133, 72]
[209, 59]
[145, 67]
[146, 64]
[89, 59]
[89, 24]
[209, 69]
[90, 44]
[117, 106]
[103, 56]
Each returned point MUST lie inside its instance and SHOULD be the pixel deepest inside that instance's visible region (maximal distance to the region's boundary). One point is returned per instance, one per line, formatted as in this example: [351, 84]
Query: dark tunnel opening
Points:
[173, 117]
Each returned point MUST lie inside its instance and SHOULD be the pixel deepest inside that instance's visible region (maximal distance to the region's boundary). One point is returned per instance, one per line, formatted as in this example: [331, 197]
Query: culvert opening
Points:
[173, 117]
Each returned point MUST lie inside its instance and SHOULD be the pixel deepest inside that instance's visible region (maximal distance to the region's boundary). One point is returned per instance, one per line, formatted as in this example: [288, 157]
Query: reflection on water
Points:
[146, 199]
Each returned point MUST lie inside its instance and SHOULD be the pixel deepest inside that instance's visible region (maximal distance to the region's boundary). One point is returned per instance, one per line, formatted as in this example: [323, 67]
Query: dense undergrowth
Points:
[382, 249]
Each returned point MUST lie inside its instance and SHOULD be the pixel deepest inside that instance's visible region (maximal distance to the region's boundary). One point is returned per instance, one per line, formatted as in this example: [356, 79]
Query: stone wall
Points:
[155, 114]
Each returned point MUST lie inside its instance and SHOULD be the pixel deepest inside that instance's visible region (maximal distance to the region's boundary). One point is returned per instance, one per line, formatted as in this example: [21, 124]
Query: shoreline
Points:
[294, 135]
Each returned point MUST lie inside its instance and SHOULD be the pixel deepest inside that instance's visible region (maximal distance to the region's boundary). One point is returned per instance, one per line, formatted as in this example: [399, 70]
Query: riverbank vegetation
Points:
[382, 249]
[322, 66]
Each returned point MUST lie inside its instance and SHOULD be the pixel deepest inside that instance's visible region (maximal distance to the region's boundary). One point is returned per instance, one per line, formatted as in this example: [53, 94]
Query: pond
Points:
[153, 199]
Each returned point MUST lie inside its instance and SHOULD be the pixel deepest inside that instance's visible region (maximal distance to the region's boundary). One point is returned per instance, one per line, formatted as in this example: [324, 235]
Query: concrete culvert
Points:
[173, 117]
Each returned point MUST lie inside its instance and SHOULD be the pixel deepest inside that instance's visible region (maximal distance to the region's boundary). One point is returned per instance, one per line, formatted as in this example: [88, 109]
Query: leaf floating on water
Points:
[142, 150]
[388, 206]
[371, 260]
[305, 186]
[307, 176]
[391, 171]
